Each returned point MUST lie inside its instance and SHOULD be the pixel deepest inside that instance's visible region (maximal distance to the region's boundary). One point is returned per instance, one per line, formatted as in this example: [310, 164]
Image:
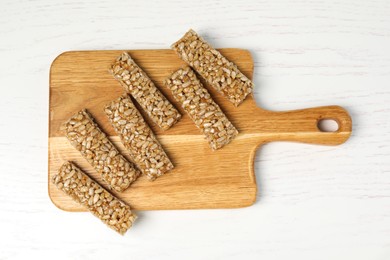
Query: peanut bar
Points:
[135, 81]
[85, 135]
[218, 71]
[85, 191]
[197, 102]
[143, 146]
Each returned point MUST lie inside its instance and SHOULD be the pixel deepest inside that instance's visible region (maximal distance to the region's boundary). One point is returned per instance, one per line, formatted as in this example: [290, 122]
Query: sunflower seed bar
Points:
[85, 135]
[218, 71]
[138, 138]
[135, 81]
[82, 189]
[197, 102]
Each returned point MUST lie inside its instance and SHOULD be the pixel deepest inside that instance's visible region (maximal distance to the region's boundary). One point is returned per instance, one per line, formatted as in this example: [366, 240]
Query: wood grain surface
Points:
[313, 201]
[201, 178]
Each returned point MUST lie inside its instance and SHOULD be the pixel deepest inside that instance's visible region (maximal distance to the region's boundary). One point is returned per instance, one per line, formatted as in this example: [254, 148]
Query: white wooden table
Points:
[315, 202]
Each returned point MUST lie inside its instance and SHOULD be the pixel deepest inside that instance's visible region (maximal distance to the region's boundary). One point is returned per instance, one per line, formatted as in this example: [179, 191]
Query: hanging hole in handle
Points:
[328, 125]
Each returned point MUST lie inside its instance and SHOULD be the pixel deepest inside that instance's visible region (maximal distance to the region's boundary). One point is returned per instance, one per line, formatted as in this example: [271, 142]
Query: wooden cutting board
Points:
[202, 178]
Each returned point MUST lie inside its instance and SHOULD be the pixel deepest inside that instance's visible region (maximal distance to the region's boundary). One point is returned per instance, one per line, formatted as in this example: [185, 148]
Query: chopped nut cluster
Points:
[135, 81]
[82, 189]
[138, 138]
[197, 102]
[85, 135]
[218, 71]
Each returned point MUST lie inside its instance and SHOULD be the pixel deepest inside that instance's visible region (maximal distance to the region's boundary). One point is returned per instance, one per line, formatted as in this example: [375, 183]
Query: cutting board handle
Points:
[302, 125]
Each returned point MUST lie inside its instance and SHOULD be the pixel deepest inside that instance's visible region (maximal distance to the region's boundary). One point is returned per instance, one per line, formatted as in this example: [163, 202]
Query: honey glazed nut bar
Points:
[135, 81]
[82, 189]
[143, 146]
[85, 135]
[197, 102]
[218, 71]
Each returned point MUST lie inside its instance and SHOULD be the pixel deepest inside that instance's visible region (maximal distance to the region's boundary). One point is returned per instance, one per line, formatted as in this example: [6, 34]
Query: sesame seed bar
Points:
[85, 135]
[218, 71]
[135, 81]
[138, 138]
[197, 102]
[83, 190]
